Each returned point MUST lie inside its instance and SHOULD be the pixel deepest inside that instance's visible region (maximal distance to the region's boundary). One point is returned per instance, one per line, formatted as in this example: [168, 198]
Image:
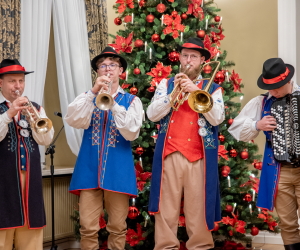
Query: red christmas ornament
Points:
[123, 76]
[183, 16]
[223, 71]
[226, 168]
[228, 209]
[244, 155]
[225, 173]
[137, 71]
[139, 150]
[230, 121]
[258, 165]
[201, 33]
[217, 226]
[233, 153]
[133, 90]
[254, 231]
[207, 69]
[142, 2]
[217, 19]
[247, 197]
[155, 38]
[219, 77]
[138, 43]
[127, 19]
[133, 212]
[150, 18]
[215, 39]
[221, 138]
[174, 13]
[161, 8]
[118, 21]
[151, 89]
[174, 56]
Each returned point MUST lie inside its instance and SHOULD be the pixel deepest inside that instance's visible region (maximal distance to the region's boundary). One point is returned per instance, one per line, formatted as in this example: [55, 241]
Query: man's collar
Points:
[296, 87]
[119, 90]
[3, 99]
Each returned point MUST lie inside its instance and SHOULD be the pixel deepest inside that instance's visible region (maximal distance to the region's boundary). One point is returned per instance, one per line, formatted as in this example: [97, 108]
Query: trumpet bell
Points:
[42, 126]
[104, 101]
[200, 101]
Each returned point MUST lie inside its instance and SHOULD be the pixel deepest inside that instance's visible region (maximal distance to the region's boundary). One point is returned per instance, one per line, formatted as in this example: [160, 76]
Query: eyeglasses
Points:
[110, 67]
[193, 57]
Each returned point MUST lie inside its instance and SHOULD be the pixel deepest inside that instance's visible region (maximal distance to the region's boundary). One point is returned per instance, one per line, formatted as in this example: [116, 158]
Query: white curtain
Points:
[287, 33]
[72, 58]
[34, 46]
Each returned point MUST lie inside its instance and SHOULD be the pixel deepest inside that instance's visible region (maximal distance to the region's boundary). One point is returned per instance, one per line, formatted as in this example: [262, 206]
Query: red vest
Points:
[183, 134]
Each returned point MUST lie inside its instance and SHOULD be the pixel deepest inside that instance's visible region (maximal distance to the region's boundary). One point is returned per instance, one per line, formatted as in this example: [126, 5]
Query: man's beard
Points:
[191, 73]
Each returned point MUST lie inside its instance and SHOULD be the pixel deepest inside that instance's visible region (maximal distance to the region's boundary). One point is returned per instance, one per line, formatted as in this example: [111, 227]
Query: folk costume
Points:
[105, 165]
[279, 183]
[185, 161]
[22, 214]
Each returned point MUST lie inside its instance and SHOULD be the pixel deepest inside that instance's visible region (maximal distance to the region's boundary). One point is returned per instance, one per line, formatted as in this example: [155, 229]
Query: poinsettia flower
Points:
[195, 9]
[222, 152]
[102, 222]
[219, 34]
[123, 4]
[268, 219]
[236, 81]
[159, 72]
[141, 176]
[171, 1]
[226, 220]
[230, 233]
[173, 25]
[123, 44]
[213, 50]
[181, 221]
[125, 86]
[237, 225]
[132, 237]
[253, 182]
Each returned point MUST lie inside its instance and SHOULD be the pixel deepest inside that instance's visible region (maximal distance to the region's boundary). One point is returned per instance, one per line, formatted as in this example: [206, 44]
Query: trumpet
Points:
[104, 101]
[177, 100]
[41, 125]
[200, 100]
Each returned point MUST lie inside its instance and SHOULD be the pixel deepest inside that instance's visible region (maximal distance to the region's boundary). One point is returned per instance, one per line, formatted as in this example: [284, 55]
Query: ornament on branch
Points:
[118, 21]
[217, 19]
[244, 154]
[142, 3]
[127, 19]
[161, 8]
[247, 197]
[226, 168]
[133, 212]
[123, 76]
[151, 89]
[155, 38]
[224, 173]
[254, 231]
[228, 208]
[139, 150]
[183, 16]
[174, 13]
[133, 90]
[137, 71]
[174, 56]
[233, 153]
[150, 18]
[138, 43]
[201, 33]
[207, 69]
[219, 77]
[214, 39]
[221, 138]
[230, 121]
[258, 165]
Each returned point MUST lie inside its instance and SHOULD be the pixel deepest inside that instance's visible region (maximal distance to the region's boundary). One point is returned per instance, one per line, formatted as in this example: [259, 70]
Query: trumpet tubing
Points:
[104, 101]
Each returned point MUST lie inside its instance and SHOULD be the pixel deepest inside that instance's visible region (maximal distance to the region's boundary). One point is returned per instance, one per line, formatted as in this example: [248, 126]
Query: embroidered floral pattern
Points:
[96, 120]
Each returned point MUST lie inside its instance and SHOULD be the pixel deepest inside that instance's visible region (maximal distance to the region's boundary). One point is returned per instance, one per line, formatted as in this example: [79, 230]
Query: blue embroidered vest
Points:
[105, 158]
[271, 168]
[12, 209]
[210, 149]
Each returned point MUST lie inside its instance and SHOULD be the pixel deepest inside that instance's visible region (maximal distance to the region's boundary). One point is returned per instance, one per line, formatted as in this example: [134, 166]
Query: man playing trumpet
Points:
[104, 167]
[22, 214]
[185, 140]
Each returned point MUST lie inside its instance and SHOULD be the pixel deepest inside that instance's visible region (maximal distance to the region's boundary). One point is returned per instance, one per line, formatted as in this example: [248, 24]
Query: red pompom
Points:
[201, 33]
[133, 212]
[150, 18]
[137, 71]
[183, 16]
[133, 90]
[138, 43]
[174, 56]
[233, 153]
[155, 38]
[161, 8]
[118, 21]
[254, 231]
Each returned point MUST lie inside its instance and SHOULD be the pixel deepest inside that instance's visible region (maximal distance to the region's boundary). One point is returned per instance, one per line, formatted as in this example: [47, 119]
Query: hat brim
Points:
[17, 72]
[204, 52]
[262, 85]
[122, 60]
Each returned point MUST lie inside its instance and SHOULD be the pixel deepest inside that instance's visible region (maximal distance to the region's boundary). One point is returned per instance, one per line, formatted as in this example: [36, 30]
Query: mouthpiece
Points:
[17, 92]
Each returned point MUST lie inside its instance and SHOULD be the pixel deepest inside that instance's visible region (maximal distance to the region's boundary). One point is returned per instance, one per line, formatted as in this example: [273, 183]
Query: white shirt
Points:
[161, 106]
[41, 139]
[128, 122]
[243, 126]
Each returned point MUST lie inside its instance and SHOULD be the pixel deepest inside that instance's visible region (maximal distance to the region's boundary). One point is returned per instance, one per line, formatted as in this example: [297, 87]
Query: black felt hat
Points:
[12, 66]
[195, 43]
[109, 52]
[275, 74]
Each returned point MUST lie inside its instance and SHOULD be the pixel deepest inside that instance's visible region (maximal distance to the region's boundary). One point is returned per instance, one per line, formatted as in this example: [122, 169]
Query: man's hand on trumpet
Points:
[101, 82]
[16, 106]
[185, 83]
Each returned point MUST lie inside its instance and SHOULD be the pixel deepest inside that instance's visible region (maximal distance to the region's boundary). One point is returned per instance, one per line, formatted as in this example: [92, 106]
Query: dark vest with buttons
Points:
[12, 209]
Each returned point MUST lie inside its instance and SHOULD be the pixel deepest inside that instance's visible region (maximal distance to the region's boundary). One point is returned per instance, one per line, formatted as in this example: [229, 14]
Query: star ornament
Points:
[173, 25]
[123, 44]
[159, 72]
[123, 4]
[195, 9]
[236, 81]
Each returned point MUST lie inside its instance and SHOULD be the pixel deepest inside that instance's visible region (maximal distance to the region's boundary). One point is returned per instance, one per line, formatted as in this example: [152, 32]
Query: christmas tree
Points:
[152, 31]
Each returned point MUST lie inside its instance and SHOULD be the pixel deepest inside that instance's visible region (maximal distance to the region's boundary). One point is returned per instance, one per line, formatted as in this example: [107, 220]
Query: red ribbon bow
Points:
[276, 79]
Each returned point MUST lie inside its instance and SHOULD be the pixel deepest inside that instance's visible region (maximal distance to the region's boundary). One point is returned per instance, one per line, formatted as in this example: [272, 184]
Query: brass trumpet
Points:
[104, 101]
[41, 125]
[177, 101]
[200, 100]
